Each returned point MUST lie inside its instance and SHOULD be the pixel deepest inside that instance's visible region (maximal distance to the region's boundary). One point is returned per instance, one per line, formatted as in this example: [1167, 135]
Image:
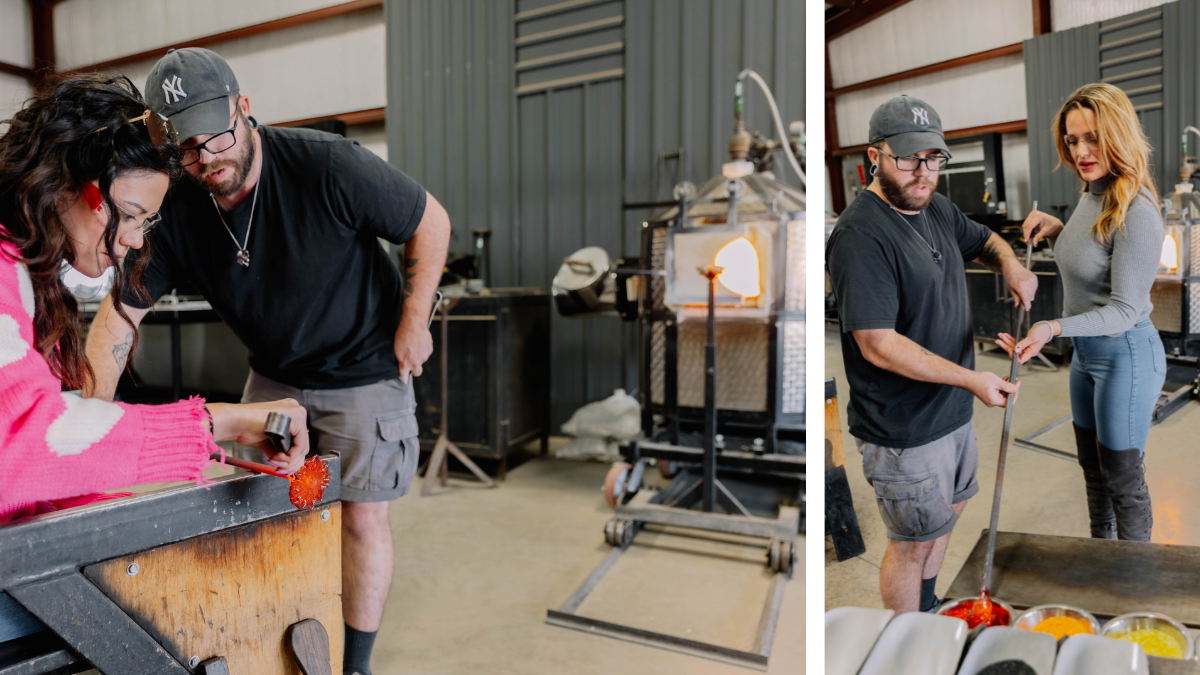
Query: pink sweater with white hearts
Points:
[55, 445]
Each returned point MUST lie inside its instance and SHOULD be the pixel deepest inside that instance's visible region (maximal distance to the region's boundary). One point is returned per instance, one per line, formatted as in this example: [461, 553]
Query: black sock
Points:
[357, 656]
[928, 599]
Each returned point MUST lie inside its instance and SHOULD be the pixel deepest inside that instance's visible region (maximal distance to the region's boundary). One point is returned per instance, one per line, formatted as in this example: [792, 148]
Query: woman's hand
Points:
[243, 423]
[1045, 225]
[1039, 335]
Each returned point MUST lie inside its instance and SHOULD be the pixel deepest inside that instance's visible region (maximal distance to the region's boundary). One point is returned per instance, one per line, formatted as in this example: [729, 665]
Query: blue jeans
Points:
[1115, 384]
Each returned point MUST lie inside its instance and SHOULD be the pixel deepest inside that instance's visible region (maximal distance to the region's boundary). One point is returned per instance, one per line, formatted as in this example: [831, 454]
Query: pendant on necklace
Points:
[243, 258]
[937, 257]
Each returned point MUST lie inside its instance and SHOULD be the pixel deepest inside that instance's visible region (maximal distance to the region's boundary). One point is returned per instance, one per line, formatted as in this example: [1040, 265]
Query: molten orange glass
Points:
[966, 610]
[309, 483]
[739, 260]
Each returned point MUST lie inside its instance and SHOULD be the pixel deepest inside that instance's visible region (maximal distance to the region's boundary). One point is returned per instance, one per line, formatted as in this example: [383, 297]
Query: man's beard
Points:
[896, 196]
[241, 169]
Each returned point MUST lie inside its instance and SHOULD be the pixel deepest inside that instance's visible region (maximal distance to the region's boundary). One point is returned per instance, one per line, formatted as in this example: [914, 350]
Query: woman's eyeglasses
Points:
[146, 225]
[1090, 139]
[162, 131]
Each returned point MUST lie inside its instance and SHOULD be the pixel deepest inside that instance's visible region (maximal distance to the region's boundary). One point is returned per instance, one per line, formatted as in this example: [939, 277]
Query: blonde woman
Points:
[1107, 256]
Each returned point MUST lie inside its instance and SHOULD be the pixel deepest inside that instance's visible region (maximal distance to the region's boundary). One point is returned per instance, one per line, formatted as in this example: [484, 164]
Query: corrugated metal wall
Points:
[1055, 65]
[570, 66]
[1181, 91]
[538, 118]
[682, 59]
[451, 117]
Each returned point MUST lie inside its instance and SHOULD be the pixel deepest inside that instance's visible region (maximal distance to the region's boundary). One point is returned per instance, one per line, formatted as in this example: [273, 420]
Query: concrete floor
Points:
[1042, 494]
[476, 570]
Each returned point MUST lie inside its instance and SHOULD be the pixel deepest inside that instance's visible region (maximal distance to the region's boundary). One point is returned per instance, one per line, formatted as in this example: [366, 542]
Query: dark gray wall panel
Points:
[1055, 65]
[682, 57]
[1181, 94]
[451, 114]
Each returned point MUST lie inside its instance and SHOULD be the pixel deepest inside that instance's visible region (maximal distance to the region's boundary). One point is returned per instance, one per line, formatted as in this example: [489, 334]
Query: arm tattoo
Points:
[990, 258]
[409, 263]
[120, 352]
[925, 352]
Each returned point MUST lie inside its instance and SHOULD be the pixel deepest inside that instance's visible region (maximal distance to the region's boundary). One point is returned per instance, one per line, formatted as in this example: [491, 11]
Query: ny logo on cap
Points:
[920, 115]
[173, 87]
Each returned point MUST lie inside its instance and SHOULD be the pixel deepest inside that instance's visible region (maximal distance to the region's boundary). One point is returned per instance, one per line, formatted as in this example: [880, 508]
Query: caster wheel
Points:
[786, 557]
[667, 468]
[625, 532]
[610, 532]
[773, 555]
[614, 483]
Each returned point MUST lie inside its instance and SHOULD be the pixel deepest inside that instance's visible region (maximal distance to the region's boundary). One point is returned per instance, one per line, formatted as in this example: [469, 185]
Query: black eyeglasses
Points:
[932, 162]
[146, 225]
[215, 145]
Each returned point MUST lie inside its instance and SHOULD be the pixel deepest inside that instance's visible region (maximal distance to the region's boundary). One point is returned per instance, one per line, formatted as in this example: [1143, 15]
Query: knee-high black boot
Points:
[1100, 508]
[1124, 474]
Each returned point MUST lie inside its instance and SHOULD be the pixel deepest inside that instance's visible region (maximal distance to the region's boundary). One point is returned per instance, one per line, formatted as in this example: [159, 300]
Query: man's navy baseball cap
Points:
[909, 125]
[191, 88]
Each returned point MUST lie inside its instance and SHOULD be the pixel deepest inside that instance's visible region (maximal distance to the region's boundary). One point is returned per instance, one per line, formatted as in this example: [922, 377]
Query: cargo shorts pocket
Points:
[394, 461]
[912, 507]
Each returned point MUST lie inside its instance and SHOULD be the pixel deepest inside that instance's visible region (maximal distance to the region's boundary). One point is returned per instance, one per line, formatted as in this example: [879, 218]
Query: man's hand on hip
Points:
[992, 389]
[413, 346]
[1022, 283]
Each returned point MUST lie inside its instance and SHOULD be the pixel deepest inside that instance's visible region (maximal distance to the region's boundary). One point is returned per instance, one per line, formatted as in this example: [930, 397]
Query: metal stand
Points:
[672, 507]
[438, 462]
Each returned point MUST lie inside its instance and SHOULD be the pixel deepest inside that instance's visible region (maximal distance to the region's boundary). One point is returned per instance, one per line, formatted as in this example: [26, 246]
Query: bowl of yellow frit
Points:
[1058, 620]
[1158, 634]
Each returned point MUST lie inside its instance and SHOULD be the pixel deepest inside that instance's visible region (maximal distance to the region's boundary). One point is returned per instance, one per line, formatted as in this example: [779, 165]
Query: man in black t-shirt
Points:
[896, 261]
[278, 229]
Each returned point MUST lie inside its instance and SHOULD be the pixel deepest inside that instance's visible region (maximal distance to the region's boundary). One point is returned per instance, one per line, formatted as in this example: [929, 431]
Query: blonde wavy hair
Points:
[1123, 145]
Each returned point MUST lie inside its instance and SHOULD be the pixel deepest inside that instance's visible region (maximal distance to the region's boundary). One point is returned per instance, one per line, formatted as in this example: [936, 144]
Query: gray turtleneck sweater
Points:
[1106, 287]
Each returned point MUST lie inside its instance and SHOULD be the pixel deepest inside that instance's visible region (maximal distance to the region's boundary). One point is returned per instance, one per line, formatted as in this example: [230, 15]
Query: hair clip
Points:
[91, 194]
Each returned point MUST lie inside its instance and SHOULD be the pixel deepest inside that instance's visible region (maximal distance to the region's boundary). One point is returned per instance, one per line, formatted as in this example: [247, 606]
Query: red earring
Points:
[91, 194]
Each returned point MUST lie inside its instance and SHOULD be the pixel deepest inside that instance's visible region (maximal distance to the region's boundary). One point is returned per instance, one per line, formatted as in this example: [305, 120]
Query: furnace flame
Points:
[739, 261]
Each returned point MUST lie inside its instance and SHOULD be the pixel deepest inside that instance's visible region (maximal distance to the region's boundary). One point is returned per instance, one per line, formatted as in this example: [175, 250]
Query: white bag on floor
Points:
[586, 448]
[619, 416]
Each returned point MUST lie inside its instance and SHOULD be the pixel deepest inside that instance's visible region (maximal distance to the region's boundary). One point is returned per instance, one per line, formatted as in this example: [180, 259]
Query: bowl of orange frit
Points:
[999, 614]
[1158, 634]
[1058, 620]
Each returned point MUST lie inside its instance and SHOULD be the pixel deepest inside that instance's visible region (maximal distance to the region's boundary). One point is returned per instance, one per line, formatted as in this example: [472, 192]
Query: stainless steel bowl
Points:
[952, 603]
[1035, 615]
[1127, 623]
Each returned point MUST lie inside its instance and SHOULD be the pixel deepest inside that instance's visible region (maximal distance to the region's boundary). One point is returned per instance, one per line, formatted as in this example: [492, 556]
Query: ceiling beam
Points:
[353, 118]
[239, 33]
[42, 19]
[1000, 128]
[19, 71]
[844, 4]
[858, 15]
[967, 60]
[1041, 17]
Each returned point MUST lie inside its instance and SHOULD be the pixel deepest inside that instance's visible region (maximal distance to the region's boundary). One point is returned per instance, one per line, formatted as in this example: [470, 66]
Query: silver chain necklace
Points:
[937, 255]
[243, 255]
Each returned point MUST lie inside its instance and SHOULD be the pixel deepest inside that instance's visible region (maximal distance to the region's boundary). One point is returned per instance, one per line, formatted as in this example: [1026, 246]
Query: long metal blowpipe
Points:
[984, 605]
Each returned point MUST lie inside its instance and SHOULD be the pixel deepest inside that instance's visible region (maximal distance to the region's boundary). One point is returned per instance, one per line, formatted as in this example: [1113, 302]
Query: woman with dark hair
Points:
[81, 181]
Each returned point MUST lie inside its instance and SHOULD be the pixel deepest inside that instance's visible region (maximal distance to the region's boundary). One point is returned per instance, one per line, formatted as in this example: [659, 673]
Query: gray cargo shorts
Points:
[374, 427]
[915, 487]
